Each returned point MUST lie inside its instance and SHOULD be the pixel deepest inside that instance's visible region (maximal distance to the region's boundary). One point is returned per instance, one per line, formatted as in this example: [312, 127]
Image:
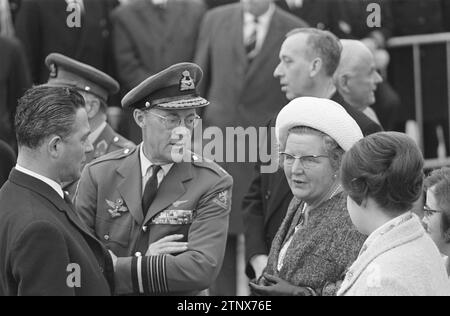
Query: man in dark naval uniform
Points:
[95, 86]
[160, 209]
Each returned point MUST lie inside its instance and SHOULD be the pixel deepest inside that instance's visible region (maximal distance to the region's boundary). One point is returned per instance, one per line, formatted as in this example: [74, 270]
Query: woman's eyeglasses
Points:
[307, 162]
[429, 212]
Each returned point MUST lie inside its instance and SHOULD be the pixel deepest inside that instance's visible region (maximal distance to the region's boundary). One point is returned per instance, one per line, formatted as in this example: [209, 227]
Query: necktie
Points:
[250, 47]
[150, 189]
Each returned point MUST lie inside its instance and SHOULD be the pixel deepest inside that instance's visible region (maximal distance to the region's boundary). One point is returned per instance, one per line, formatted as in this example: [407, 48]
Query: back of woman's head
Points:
[387, 167]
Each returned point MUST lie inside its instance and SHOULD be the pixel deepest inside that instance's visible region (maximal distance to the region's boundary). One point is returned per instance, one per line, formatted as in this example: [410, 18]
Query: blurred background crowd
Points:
[133, 39]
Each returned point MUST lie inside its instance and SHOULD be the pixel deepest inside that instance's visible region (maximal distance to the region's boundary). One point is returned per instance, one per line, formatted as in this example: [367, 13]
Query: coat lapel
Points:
[236, 31]
[270, 45]
[130, 187]
[171, 188]
[48, 193]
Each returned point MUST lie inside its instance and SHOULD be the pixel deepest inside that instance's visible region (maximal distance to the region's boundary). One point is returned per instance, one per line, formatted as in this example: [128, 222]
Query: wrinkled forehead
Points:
[296, 45]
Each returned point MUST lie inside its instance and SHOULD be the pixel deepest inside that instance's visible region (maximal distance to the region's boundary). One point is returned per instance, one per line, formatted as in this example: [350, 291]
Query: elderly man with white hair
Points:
[356, 78]
[317, 240]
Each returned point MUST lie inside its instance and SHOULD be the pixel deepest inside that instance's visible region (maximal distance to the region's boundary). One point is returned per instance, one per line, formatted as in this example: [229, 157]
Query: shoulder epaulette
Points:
[209, 164]
[115, 155]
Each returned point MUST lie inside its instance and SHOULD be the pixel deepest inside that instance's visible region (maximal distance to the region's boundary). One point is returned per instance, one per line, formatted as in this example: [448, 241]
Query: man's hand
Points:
[167, 245]
[259, 263]
[277, 287]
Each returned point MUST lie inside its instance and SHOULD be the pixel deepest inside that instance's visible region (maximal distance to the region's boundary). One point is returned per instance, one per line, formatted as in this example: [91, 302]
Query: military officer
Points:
[160, 209]
[95, 86]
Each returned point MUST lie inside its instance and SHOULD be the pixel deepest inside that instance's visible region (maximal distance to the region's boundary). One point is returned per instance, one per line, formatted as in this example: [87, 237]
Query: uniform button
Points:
[116, 139]
[126, 151]
[144, 229]
[106, 237]
[138, 254]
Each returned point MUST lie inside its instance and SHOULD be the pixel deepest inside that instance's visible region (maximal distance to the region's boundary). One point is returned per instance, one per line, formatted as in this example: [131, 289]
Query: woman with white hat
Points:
[317, 240]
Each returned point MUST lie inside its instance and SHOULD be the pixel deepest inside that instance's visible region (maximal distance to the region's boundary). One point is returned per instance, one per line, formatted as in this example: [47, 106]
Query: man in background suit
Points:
[42, 27]
[237, 49]
[308, 60]
[7, 161]
[14, 81]
[149, 36]
[44, 247]
[95, 87]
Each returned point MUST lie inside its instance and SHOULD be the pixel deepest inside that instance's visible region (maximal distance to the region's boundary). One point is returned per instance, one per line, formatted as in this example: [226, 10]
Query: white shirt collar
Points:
[145, 163]
[56, 186]
[263, 19]
[95, 134]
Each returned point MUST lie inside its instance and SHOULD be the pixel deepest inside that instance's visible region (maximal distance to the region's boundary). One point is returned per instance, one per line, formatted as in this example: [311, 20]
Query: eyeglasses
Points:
[173, 122]
[307, 162]
[429, 212]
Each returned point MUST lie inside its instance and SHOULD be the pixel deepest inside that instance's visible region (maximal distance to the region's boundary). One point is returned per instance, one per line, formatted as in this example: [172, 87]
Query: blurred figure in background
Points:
[437, 210]
[383, 176]
[148, 36]
[357, 78]
[317, 13]
[95, 87]
[14, 81]
[237, 49]
[7, 161]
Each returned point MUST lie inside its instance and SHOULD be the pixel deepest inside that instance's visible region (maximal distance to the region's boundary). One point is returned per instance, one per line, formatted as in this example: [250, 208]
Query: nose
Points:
[297, 167]
[277, 71]
[378, 78]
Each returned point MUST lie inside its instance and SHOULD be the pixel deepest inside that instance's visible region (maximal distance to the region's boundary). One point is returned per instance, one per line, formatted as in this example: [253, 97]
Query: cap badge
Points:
[186, 82]
[53, 71]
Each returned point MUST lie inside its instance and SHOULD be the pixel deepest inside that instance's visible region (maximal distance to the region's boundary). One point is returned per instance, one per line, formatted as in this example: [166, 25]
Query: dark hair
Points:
[439, 182]
[388, 167]
[332, 148]
[323, 44]
[44, 111]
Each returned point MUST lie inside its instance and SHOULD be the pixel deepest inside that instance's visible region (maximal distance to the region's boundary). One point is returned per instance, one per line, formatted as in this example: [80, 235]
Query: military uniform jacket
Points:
[40, 238]
[107, 142]
[193, 200]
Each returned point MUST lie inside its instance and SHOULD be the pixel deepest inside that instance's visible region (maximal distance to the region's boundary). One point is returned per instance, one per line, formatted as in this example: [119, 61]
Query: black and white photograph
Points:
[225, 152]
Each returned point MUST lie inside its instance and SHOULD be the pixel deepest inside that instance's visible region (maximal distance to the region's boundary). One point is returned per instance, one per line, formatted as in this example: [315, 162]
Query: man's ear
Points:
[92, 107]
[54, 146]
[316, 67]
[139, 117]
[342, 83]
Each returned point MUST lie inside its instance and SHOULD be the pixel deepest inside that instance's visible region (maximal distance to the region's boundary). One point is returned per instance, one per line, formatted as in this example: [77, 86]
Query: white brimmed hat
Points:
[324, 115]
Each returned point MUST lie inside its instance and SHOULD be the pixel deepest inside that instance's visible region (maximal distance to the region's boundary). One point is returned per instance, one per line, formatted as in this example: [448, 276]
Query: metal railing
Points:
[415, 42]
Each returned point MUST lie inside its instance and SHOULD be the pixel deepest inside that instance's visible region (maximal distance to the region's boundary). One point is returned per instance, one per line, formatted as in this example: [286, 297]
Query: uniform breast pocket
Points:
[115, 231]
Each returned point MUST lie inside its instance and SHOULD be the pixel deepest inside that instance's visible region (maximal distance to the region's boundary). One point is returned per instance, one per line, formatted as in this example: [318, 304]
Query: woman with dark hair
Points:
[383, 176]
[316, 242]
[437, 210]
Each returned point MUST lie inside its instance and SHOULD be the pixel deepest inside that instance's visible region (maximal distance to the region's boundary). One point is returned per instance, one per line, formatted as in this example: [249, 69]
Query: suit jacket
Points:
[241, 93]
[42, 27]
[266, 202]
[148, 39]
[192, 200]
[107, 142]
[40, 237]
[14, 81]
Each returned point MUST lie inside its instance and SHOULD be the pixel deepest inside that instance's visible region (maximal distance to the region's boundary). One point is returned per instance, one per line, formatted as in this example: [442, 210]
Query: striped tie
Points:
[252, 41]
